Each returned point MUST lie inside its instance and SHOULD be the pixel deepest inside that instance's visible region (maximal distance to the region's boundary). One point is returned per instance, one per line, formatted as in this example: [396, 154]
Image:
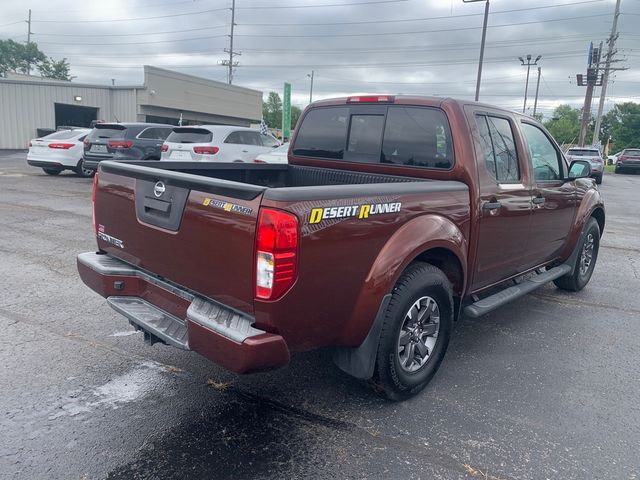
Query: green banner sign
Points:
[286, 112]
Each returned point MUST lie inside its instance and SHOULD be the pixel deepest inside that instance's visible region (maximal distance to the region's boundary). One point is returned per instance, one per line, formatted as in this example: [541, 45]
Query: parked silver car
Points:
[216, 143]
[590, 154]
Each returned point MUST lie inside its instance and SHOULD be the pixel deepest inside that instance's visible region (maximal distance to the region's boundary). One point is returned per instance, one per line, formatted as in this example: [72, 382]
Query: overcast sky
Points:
[354, 46]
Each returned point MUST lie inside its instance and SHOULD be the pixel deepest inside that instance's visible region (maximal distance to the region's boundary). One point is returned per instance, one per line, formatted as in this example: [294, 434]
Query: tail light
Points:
[120, 144]
[206, 150]
[61, 146]
[93, 201]
[257, 160]
[86, 142]
[30, 145]
[276, 253]
[621, 158]
[164, 147]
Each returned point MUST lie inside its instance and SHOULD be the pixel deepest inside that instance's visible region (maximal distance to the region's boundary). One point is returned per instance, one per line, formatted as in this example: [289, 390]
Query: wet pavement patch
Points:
[247, 436]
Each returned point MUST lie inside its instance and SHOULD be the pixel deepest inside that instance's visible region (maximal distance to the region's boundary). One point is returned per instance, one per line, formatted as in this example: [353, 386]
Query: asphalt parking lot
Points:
[546, 387]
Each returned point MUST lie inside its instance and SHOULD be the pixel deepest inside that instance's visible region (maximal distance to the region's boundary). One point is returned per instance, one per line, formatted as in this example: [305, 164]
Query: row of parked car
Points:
[82, 149]
[628, 159]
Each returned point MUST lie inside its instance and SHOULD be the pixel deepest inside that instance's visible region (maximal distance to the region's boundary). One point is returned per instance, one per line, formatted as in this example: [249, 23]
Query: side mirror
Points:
[579, 169]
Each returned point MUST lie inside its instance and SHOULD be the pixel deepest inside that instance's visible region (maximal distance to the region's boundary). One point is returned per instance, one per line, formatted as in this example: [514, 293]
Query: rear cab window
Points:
[190, 135]
[395, 134]
[103, 131]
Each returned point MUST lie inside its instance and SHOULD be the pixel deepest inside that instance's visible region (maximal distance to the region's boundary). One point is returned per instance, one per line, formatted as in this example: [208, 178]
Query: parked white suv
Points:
[216, 143]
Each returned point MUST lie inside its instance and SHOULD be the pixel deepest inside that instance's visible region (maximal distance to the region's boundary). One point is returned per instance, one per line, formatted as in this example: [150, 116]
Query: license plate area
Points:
[98, 149]
[178, 155]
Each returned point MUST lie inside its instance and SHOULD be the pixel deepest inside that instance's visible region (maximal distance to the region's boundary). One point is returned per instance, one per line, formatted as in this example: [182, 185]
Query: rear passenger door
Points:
[554, 199]
[505, 200]
[149, 141]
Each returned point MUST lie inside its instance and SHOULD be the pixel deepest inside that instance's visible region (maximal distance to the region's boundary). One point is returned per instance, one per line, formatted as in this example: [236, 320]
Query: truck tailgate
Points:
[195, 231]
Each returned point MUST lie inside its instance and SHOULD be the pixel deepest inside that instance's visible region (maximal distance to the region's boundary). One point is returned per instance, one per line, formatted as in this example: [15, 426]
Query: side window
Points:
[323, 133]
[148, 133]
[234, 137]
[544, 156]
[251, 138]
[365, 134]
[269, 141]
[499, 148]
[417, 136]
[162, 133]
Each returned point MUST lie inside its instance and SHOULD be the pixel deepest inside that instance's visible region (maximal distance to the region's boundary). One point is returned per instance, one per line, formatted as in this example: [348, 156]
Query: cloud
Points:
[413, 46]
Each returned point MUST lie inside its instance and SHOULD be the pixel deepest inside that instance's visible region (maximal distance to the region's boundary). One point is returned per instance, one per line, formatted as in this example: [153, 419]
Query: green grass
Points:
[610, 168]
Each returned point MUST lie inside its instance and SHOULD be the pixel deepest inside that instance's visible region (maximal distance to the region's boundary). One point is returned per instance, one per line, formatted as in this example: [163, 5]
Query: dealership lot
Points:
[545, 387]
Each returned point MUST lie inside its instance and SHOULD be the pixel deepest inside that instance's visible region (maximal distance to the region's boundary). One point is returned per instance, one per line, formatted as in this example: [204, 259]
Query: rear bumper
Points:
[48, 165]
[628, 166]
[174, 315]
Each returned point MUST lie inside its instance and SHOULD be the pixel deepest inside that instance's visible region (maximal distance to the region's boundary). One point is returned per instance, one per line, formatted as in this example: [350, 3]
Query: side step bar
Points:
[499, 299]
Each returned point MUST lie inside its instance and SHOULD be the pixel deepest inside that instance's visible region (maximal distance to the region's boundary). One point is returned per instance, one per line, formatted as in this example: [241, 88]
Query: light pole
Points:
[484, 36]
[528, 65]
[310, 75]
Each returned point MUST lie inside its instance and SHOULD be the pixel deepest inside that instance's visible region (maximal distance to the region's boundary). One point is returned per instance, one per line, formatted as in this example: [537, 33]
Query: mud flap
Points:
[359, 362]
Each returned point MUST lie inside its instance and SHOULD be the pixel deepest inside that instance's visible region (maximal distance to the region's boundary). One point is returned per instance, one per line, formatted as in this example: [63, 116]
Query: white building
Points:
[29, 103]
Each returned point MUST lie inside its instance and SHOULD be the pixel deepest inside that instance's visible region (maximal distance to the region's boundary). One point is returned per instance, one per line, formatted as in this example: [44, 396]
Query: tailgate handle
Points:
[154, 204]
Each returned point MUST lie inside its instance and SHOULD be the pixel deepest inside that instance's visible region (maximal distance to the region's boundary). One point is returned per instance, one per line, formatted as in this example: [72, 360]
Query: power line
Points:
[368, 22]
[136, 43]
[274, 7]
[126, 34]
[134, 19]
[333, 35]
[346, 65]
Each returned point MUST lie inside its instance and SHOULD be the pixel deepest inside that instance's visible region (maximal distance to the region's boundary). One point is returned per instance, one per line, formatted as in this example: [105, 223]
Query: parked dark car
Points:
[628, 160]
[124, 141]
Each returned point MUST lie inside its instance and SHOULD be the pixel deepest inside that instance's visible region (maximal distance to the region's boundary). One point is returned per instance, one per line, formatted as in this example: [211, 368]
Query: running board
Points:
[507, 295]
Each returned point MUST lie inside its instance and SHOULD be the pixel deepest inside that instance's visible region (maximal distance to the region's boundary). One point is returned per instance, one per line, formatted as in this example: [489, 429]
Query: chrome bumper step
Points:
[152, 320]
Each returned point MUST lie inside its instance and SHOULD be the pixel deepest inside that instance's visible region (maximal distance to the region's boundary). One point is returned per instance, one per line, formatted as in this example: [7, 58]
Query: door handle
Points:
[245, 151]
[538, 200]
[491, 205]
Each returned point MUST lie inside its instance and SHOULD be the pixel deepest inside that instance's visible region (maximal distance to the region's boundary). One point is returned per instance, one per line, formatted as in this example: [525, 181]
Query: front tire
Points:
[599, 179]
[415, 333]
[51, 171]
[84, 172]
[589, 245]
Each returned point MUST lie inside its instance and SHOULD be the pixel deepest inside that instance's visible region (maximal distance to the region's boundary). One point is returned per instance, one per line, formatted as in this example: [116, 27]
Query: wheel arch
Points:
[599, 215]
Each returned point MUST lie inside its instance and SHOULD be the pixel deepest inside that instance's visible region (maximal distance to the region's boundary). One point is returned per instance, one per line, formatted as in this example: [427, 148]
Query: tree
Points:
[295, 116]
[624, 121]
[564, 124]
[18, 57]
[272, 110]
[56, 69]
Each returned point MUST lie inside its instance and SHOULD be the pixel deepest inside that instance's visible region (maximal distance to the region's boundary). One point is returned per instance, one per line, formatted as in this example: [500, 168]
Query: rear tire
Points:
[51, 171]
[83, 172]
[415, 333]
[599, 179]
[589, 245]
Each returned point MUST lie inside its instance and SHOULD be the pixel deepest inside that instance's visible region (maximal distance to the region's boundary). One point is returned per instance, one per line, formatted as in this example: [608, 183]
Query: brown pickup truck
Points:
[394, 216]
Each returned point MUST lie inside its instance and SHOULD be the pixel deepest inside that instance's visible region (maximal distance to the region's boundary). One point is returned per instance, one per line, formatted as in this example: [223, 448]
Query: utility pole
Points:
[607, 67]
[535, 103]
[311, 89]
[231, 63]
[594, 79]
[29, 39]
[526, 86]
[484, 36]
